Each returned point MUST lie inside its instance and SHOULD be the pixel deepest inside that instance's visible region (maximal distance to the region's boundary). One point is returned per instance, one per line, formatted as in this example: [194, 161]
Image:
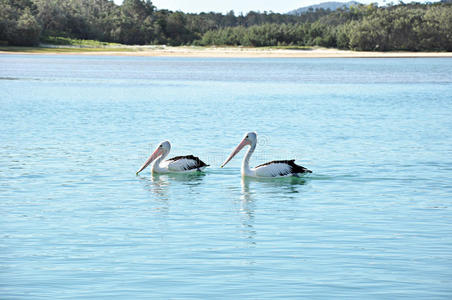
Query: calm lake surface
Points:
[374, 220]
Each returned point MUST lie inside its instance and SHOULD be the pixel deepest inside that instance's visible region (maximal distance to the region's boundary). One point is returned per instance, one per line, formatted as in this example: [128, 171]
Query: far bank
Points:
[192, 51]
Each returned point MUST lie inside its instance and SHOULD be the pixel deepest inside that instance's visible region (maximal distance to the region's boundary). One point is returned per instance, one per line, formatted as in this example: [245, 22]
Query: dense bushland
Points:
[414, 27]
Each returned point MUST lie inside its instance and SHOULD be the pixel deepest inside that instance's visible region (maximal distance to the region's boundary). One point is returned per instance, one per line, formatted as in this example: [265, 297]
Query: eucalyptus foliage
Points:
[413, 27]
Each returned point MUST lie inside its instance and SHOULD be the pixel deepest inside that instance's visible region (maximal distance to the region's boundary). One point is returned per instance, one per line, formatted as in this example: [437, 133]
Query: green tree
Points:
[18, 26]
[27, 31]
[137, 24]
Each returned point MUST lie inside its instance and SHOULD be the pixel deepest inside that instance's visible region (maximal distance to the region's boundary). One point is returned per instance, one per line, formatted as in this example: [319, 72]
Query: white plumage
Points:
[178, 164]
[273, 170]
[181, 164]
[277, 168]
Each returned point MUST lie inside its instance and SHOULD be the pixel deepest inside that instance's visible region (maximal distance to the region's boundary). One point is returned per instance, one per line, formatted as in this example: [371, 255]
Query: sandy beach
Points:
[188, 51]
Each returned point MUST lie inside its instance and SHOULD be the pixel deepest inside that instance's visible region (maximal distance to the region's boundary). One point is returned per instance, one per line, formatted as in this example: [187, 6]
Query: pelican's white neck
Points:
[246, 171]
[156, 166]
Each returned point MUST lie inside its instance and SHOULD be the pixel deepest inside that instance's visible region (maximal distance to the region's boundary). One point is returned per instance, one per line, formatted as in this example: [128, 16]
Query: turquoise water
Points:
[373, 221]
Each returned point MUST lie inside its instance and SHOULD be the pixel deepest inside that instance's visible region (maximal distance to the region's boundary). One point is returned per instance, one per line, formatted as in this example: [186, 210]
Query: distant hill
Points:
[325, 5]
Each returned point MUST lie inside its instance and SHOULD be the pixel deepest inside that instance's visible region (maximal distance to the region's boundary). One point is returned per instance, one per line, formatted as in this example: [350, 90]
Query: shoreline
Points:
[220, 52]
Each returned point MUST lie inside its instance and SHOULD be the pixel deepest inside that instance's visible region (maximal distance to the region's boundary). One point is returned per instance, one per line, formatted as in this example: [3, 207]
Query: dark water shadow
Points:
[287, 184]
[10, 78]
[186, 178]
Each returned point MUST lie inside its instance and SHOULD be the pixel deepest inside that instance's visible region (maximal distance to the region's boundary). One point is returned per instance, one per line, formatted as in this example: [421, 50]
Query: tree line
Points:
[413, 27]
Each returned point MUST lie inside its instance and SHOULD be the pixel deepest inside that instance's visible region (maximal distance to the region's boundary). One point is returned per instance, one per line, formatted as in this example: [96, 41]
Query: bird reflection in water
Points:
[251, 186]
[247, 211]
[160, 183]
[160, 186]
[276, 185]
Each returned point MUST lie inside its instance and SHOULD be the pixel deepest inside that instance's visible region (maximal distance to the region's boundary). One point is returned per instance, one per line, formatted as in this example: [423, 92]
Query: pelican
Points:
[178, 164]
[276, 168]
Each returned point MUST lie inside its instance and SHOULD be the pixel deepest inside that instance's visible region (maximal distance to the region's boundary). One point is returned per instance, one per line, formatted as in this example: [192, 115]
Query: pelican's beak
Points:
[242, 144]
[151, 158]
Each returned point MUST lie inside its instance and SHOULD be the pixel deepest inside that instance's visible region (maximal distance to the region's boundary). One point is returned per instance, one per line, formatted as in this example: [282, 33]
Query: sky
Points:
[238, 6]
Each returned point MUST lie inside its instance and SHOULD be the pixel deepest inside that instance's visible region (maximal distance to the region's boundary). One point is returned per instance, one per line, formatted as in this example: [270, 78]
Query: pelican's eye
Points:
[161, 146]
[246, 137]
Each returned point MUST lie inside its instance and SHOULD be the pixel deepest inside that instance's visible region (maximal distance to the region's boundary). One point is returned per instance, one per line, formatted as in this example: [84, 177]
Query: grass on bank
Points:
[62, 50]
[64, 41]
[55, 40]
[55, 44]
[71, 49]
[52, 44]
[292, 47]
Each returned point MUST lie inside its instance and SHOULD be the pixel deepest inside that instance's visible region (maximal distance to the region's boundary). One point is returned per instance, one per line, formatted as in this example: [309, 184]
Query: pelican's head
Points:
[163, 148]
[250, 138]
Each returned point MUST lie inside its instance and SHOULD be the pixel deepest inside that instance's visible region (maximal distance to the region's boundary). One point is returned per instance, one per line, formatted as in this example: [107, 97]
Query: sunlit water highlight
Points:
[372, 221]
